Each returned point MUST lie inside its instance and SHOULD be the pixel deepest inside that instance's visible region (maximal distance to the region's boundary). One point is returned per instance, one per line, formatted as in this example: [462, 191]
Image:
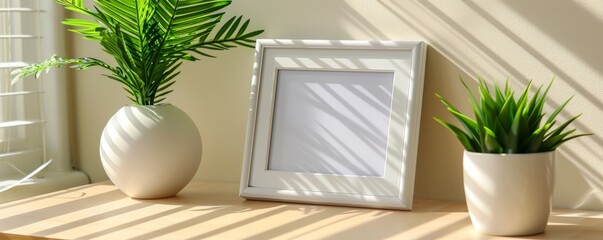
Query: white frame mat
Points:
[334, 122]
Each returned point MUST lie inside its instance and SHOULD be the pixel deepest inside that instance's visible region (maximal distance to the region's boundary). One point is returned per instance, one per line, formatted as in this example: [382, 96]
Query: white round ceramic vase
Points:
[150, 152]
[509, 194]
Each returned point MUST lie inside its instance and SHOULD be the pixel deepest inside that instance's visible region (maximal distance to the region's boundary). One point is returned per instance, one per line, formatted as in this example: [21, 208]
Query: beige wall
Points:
[521, 40]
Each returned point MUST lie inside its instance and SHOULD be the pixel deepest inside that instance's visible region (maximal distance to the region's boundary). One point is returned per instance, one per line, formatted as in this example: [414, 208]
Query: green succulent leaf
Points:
[467, 142]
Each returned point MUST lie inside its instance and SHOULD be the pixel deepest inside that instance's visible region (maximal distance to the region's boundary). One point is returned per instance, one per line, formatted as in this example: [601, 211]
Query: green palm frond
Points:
[149, 39]
[504, 124]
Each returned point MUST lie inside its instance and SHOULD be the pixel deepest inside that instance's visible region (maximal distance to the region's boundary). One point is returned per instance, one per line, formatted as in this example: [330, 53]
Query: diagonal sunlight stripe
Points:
[36, 171]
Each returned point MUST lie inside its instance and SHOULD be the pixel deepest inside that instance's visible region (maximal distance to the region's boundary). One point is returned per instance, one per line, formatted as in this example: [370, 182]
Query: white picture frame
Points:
[334, 122]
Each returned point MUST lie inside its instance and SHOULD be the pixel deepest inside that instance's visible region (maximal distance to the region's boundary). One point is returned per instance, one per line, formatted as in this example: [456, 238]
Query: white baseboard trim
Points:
[52, 181]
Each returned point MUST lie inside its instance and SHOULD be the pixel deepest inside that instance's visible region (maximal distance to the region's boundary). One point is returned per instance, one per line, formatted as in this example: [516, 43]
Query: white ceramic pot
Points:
[150, 151]
[509, 194]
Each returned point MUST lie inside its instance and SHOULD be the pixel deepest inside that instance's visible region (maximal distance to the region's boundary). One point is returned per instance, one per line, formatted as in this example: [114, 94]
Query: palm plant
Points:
[503, 124]
[149, 40]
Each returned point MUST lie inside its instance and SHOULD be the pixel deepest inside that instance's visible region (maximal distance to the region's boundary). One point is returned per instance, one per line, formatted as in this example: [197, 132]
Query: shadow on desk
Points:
[211, 210]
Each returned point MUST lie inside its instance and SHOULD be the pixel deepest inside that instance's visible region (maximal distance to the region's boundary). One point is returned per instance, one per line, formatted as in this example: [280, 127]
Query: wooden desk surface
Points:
[213, 210]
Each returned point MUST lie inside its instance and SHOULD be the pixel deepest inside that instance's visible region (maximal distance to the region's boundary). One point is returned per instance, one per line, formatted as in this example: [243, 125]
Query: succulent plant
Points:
[505, 124]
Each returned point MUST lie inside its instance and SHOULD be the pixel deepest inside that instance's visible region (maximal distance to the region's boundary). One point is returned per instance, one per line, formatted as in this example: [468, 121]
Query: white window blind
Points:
[22, 142]
[33, 116]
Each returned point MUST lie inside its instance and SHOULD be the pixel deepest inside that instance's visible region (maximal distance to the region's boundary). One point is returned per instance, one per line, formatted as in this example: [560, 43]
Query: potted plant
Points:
[149, 149]
[508, 164]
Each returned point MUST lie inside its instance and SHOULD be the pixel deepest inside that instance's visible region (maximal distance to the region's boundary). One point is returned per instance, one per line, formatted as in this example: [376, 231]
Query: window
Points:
[33, 116]
[21, 122]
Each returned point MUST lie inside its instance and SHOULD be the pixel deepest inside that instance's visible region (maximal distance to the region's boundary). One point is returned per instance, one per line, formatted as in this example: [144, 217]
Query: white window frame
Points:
[59, 174]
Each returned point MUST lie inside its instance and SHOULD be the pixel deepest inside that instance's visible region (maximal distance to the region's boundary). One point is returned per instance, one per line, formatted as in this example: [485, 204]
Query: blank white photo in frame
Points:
[334, 122]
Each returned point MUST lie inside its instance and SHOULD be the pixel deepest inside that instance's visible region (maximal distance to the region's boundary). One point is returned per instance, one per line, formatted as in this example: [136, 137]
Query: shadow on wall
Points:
[439, 163]
[578, 38]
[460, 49]
[439, 166]
[493, 39]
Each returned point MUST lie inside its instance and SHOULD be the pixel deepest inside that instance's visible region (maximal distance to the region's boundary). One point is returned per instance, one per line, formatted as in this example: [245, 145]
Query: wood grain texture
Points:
[213, 210]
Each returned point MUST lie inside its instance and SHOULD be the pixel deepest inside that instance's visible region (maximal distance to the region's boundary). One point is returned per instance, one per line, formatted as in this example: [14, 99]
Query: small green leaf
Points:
[461, 136]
